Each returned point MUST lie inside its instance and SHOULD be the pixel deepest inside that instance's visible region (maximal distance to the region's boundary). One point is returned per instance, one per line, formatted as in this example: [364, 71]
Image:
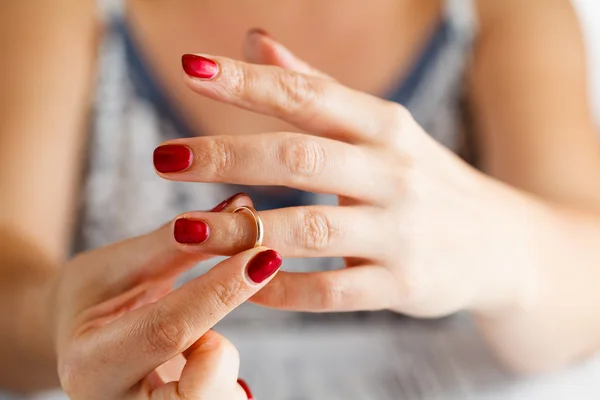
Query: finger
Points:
[171, 370]
[314, 104]
[146, 338]
[116, 268]
[350, 289]
[313, 231]
[247, 393]
[260, 48]
[211, 371]
[283, 159]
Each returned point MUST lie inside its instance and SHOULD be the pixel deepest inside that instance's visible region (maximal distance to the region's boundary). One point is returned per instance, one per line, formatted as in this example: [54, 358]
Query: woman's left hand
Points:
[413, 223]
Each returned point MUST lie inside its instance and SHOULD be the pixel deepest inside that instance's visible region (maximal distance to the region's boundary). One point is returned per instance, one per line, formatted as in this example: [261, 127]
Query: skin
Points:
[539, 154]
[135, 319]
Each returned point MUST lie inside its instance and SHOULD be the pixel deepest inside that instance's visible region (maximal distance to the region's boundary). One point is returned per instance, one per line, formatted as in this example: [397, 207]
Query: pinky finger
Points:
[361, 288]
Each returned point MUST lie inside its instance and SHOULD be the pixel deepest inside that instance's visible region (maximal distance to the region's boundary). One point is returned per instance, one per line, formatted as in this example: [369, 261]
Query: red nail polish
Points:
[191, 231]
[263, 265]
[258, 31]
[244, 386]
[172, 158]
[222, 205]
[199, 67]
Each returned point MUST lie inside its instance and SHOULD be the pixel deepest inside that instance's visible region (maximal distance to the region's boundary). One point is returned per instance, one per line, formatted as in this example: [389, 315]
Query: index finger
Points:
[312, 103]
[146, 338]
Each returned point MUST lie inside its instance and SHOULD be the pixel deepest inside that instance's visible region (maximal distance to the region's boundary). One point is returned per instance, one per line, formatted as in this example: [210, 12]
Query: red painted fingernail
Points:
[258, 31]
[199, 67]
[244, 386]
[222, 205]
[172, 158]
[263, 265]
[191, 231]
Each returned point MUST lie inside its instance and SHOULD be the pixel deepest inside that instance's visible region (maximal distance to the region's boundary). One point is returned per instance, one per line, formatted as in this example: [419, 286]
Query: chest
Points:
[368, 48]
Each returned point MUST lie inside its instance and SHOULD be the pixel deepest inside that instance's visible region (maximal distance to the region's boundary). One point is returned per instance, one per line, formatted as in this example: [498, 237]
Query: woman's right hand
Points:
[122, 333]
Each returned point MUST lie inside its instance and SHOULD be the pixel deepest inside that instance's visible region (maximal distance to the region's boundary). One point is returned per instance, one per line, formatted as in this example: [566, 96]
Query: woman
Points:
[422, 232]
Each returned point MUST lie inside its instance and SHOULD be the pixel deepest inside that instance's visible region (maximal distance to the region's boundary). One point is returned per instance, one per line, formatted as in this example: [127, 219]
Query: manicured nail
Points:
[244, 386]
[263, 265]
[258, 31]
[222, 205]
[199, 67]
[172, 158]
[191, 231]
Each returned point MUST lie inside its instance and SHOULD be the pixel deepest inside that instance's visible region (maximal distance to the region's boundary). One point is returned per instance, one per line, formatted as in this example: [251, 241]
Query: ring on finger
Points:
[257, 221]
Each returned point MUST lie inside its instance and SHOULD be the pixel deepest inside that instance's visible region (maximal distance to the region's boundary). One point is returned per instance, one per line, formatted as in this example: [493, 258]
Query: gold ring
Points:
[257, 221]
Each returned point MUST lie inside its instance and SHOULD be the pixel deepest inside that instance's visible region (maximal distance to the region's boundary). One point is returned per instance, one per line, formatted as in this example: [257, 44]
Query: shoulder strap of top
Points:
[109, 8]
[462, 15]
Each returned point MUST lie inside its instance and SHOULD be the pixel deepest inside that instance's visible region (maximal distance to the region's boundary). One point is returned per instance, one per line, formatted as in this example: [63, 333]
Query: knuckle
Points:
[222, 156]
[304, 158]
[400, 117]
[299, 91]
[225, 295]
[166, 334]
[413, 291]
[237, 80]
[398, 130]
[413, 287]
[317, 231]
[403, 182]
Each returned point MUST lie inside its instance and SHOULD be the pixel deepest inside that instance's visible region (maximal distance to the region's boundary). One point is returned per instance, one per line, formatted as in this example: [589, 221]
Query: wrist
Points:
[26, 287]
[34, 331]
[36, 317]
[510, 256]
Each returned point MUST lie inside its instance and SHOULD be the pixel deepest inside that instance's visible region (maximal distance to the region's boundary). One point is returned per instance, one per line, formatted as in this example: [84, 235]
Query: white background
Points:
[589, 13]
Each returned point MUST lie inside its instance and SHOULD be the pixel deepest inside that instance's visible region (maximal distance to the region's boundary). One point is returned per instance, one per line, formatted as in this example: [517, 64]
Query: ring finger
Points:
[312, 231]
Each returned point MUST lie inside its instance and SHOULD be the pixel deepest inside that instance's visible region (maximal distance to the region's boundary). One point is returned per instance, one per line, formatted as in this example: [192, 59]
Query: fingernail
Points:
[172, 158]
[263, 265]
[244, 386]
[191, 231]
[222, 205]
[199, 67]
[258, 31]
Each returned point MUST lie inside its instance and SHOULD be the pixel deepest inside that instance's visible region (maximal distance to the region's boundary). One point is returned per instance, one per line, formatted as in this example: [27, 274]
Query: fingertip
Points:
[234, 201]
[188, 231]
[261, 48]
[193, 228]
[257, 31]
[200, 66]
[263, 265]
[246, 388]
[209, 339]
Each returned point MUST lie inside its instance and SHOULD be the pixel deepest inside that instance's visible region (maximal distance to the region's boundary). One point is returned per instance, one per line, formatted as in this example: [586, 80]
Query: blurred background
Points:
[589, 14]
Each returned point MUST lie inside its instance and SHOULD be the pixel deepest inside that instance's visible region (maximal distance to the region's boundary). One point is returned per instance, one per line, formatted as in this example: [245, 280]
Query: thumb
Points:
[260, 48]
[146, 338]
[115, 268]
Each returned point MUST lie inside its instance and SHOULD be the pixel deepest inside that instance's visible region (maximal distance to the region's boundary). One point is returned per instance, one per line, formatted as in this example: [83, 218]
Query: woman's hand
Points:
[413, 222]
[121, 333]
